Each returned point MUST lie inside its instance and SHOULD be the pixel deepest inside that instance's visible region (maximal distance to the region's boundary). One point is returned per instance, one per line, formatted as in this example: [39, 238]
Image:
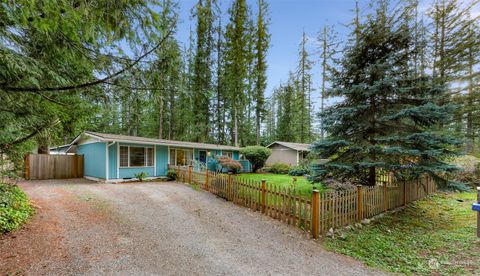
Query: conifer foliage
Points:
[386, 116]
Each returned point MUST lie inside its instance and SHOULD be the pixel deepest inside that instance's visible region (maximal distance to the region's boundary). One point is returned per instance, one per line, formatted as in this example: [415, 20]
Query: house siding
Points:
[94, 156]
[282, 154]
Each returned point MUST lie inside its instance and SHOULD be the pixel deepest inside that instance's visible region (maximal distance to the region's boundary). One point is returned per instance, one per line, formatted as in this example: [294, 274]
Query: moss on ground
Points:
[15, 207]
[435, 235]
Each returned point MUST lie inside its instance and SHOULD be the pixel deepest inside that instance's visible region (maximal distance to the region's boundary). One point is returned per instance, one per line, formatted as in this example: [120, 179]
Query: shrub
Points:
[172, 175]
[299, 171]
[279, 168]
[469, 172]
[141, 176]
[230, 164]
[14, 207]
[257, 155]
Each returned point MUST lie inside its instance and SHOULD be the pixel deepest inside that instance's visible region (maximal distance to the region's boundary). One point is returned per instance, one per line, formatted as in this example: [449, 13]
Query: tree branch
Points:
[88, 84]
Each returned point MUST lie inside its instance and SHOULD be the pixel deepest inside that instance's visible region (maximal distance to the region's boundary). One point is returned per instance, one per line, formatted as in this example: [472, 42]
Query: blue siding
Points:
[112, 161]
[130, 172]
[94, 155]
[236, 155]
[161, 153]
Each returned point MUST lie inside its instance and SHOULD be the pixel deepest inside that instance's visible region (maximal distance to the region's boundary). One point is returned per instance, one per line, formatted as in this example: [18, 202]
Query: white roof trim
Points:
[172, 144]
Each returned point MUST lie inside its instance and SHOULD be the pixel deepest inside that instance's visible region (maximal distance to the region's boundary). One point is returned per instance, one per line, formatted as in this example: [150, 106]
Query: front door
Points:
[202, 156]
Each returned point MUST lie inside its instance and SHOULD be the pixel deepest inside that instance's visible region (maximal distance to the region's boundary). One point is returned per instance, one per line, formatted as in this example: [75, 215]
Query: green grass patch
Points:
[15, 207]
[283, 180]
[435, 235]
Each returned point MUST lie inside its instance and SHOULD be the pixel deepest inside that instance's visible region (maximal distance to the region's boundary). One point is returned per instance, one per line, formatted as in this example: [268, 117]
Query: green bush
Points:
[299, 171]
[280, 168]
[14, 207]
[172, 175]
[141, 176]
[257, 155]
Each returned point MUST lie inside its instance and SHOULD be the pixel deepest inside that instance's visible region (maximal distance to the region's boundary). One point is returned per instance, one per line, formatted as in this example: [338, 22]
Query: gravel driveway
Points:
[83, 227]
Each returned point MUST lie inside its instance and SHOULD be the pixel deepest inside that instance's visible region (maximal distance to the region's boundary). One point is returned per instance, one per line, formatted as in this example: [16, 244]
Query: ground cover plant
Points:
[431, 236]
[15, 207]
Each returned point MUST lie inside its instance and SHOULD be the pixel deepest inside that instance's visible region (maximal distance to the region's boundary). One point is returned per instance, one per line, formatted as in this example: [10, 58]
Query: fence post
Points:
[206, 179]
[404, 193]
[190, 174]
[263, 195]
[385, 199]
[359, 202]
[178, 172]
[315, 214]
[229, 186]
[27, 166]
[478, 213]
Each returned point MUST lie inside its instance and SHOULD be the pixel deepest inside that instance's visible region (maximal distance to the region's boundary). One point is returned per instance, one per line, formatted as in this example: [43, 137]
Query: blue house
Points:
[113, 157]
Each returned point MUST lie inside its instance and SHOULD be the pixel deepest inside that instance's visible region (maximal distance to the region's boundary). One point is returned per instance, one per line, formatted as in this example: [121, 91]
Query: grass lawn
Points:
[282, 180]
[436, 235]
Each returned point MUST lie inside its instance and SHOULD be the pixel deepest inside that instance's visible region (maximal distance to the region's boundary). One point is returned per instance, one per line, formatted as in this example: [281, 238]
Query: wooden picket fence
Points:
[317, 212]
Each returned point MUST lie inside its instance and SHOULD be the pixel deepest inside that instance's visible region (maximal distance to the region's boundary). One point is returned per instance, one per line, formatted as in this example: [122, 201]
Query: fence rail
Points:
[315, 213]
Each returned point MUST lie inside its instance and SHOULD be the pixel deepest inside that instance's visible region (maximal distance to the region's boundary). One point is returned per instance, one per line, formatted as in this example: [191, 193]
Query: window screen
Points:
[149, 156]
[123, 156]
[137, 157]
[172, 157]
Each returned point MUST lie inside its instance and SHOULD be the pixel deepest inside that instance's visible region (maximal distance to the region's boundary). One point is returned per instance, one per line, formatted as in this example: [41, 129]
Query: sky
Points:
[289, 18]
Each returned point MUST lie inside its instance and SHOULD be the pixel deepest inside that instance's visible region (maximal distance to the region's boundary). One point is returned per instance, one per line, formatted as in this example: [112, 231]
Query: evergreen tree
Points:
[202, 74]
[285, 109]
[384, 121]
[328, 50]
[261, 46]
[236, 65]
[303, 95]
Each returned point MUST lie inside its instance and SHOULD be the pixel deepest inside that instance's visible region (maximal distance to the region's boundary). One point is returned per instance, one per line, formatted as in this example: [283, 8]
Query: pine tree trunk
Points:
[470, 135]
[236, 127]
[160, 120]
[324, 76]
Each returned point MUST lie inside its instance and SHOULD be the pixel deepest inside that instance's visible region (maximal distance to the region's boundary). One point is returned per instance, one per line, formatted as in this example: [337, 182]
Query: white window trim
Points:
[145, 160]
[192, 150]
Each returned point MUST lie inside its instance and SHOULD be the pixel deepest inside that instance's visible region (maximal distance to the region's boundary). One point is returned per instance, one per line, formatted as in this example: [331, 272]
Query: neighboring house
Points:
[111, 156]
[288, 153]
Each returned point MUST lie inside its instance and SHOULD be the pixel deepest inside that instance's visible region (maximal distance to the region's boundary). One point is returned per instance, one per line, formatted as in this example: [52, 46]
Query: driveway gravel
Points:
[83, 227]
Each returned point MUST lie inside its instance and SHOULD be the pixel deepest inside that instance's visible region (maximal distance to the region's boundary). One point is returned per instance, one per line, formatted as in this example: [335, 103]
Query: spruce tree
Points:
[385, 118]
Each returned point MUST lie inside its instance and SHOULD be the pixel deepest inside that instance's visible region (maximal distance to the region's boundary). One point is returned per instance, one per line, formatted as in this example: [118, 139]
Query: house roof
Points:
[294, 146]
[106, 137]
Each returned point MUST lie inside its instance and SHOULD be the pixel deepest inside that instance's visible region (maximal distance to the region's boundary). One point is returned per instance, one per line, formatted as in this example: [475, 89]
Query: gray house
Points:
[288, 153]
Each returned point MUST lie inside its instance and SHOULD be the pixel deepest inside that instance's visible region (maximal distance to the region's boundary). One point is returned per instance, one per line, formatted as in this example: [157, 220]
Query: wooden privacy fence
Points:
[316, 212]
[46, 166]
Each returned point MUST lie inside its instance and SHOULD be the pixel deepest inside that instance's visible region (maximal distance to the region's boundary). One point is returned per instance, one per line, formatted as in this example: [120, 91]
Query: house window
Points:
[172, 157]
[136, 156]
[149, 156]
[228, 154]
[181, 157]
[123, 156]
